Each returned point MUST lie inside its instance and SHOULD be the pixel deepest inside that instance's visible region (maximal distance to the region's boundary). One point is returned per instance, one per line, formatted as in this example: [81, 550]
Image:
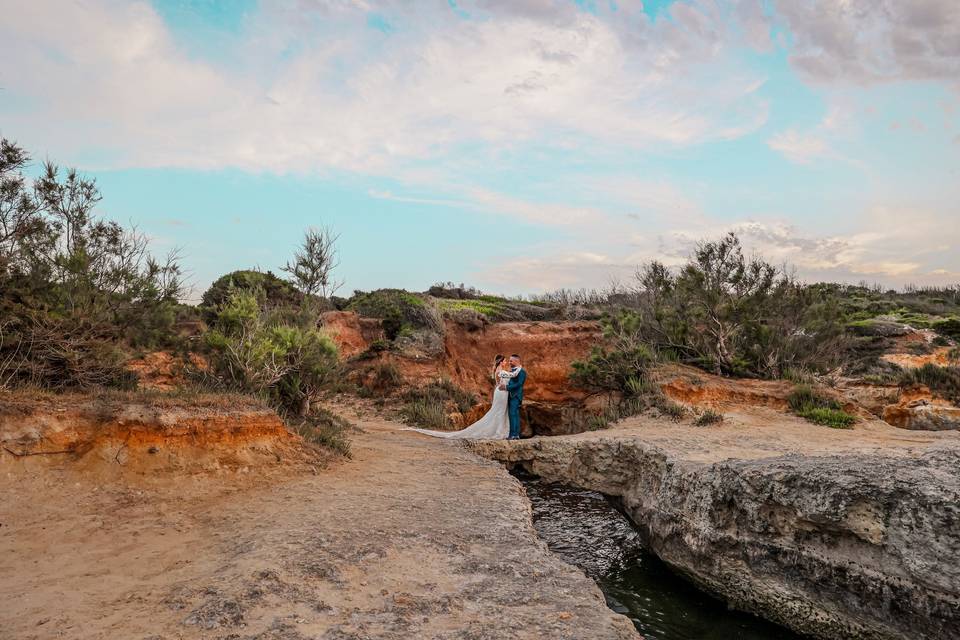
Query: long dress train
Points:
[494, 425]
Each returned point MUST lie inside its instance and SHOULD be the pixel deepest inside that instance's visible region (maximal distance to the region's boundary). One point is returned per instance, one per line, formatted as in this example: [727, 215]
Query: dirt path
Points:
[415, 538]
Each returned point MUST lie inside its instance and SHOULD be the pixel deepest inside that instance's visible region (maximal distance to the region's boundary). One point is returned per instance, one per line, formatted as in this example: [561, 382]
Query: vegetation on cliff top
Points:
[81, 295]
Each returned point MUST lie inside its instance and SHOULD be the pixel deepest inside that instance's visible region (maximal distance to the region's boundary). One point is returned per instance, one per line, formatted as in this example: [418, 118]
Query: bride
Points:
[494, 425]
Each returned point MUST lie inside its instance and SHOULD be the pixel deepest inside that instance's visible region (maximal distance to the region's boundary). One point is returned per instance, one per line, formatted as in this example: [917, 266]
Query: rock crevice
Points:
[835, 546]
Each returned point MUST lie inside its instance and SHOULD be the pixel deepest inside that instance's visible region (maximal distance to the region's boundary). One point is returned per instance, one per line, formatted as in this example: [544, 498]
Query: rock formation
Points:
[857, 543]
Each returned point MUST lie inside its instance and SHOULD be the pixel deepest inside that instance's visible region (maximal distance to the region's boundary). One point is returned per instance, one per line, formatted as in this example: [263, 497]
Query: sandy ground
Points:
[413, 538]
[760, 432]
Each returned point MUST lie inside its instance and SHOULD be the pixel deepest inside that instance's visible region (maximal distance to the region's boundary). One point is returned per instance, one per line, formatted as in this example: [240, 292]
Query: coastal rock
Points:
[922, 414]
[836, 546]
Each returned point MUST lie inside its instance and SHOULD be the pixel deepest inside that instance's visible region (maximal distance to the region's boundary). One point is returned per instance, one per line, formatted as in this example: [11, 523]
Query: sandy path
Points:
[415, 538]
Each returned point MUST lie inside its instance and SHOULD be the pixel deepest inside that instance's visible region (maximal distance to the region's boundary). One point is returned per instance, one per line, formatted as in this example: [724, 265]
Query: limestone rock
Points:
[922, 414]
[851, 545]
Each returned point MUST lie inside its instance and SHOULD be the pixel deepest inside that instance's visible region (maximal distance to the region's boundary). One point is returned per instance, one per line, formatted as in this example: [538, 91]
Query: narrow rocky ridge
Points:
[836, 544]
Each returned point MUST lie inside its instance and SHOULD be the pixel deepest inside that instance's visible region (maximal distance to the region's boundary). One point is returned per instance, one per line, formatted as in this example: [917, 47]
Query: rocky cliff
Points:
[137, 434]
[848, 535]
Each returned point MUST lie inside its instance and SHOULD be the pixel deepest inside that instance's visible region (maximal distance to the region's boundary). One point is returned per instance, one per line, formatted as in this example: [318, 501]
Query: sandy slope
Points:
[415, 538]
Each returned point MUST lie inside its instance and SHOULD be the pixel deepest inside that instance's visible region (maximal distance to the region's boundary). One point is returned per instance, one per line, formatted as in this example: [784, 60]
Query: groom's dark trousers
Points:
[515, 388]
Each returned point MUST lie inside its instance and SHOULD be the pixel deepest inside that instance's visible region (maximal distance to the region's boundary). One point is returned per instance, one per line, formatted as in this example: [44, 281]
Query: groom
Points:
[515, 388]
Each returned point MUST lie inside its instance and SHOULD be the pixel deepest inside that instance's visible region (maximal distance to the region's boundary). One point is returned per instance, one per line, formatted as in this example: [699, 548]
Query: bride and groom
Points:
[502, 421]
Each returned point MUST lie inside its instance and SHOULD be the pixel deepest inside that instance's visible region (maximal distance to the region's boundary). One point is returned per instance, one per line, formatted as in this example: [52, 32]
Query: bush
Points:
[74, 288]
[443, 392]
[737, 316]
[622, 364]
[708, 417]
[399, 310]
[452, 291]
[381, 379]
[326, 429]
[432, 404]
[288, 364]
[943, 381]
[622, 367]
[807, 403]
[804, 397]
[949, 328]
[270, 292]
[426, 415]
[835, 418]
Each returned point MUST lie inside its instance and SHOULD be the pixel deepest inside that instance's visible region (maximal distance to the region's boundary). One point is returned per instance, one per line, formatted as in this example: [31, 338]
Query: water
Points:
[586, 530]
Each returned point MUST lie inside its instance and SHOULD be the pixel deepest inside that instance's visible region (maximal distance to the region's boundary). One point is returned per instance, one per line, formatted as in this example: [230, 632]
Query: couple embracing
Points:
[502, 421]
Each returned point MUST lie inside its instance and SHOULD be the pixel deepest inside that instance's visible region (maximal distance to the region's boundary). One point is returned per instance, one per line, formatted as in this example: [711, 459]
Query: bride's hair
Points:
[497, 360]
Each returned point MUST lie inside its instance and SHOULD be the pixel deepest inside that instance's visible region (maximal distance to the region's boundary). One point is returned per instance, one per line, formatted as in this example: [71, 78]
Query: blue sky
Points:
[517, 145]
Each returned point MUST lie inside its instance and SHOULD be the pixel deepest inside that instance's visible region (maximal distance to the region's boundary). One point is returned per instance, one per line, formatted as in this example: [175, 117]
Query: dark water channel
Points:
[586, 530]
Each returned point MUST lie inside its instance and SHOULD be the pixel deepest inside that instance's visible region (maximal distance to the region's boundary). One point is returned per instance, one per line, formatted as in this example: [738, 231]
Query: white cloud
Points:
[332, 93]
[799, 147]
[885, 250]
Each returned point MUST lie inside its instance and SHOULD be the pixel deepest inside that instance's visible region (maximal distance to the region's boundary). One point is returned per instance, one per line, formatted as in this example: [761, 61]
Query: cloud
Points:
[868, 41]
[317, 89]
[501, 204]
[860, 255]
[805, 147]
[799, 147]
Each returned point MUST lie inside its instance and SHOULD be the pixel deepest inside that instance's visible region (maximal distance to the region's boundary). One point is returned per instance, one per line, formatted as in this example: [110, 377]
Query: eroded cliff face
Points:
[552, 405]
[124, 437]
[836, 545]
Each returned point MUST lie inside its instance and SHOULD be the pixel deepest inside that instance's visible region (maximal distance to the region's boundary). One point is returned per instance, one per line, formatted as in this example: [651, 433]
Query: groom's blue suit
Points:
[515, 389]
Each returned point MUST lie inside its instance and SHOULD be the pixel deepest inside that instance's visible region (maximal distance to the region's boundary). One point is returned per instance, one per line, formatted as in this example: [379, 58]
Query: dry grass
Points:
[110, 401]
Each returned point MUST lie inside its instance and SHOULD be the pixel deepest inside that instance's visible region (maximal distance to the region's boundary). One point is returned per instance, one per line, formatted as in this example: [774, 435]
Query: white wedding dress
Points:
[494, 425]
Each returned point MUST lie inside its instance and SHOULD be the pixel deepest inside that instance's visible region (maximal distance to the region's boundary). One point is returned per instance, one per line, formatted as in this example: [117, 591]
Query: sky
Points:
[519, 146]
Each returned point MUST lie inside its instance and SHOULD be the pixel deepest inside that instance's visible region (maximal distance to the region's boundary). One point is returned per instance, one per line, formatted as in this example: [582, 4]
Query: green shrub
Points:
[270, 292]
[75, 288]
[807, 403]
[798, 376]
[949, 328]
[804, 397]
[708, 417]
[598, 422]
[835, 418]
[430, 405]
[397, 309]
[622, 364]
[943, 381]
[287, 364]
[737, 315]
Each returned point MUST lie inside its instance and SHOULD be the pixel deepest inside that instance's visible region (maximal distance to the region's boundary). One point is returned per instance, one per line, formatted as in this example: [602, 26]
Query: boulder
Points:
[922, 415]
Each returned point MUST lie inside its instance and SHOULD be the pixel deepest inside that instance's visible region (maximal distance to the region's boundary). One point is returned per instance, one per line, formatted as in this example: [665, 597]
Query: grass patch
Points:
[834, 418]
[326, 429]
[670, 409]
[490, 309]
[708, 417]
[382, 379]
[943, 381]
[444, 392]
[430, 406]
[426, 415]
[815, 407]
